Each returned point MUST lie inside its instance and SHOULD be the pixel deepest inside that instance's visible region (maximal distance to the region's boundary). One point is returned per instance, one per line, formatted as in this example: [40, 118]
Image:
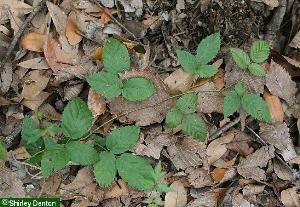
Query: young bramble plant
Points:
[207, 50]
[183, 114]
[259, 52]
[107, 156]
[251, 103]
[116, 59]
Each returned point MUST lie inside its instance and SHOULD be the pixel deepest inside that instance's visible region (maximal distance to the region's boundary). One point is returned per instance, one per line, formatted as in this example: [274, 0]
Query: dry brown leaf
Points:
[199, 177]
[218, 79]
[219, 173]
[179, 81]
[186, 152]
[178, 198]
[233, 74]
[16, 7]
[19, 154]
[105, 18]
[72, 30]
[271, 3]
[280, 83]
[290, 197]
[278, 135]
[72, 91]
[250, 192]
[275, 107]
[209, 102]
[11, 185]
[205, 199]
[149, 115]
[217, 148]
[97, 55]
[149, 21]
[296, 41]
[58, 17]
[35, 63]
[96, 103]
[34, 83]
[37, 101]
[33, 41]
[282, 170]
[240, 144]
[251, 166]
[82, 69]
[118, 189]
[49, 112]
[6, 77]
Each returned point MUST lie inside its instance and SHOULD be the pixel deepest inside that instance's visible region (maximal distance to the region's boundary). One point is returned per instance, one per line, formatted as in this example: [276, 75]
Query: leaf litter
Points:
[58, 51]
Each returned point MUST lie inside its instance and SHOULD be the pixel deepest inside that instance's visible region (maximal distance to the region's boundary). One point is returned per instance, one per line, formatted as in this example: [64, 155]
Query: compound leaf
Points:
[136, 171]
[256, 69]
[122, 139]
[194, 126]
[174, 117]
[76, 119]
[187, 61]
[240, 88]
[240, 57]
[259, 51]
[208, 48]
[256, 107]
[105, 169]
[105, 83]
[30, 131]
[232, 103]
[137, 89]
[115, 56]
[206, 71]
[187, 103]
[82, 153]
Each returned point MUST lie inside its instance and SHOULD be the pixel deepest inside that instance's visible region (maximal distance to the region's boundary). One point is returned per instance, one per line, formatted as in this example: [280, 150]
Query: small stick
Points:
[20, 32]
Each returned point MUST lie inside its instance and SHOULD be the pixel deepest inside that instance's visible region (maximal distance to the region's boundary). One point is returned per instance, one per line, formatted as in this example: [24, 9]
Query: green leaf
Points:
[158, 173]
[240, 57]
[30, 131]
[107, 84]
[136, 171]
[256, 107]
[194, 126]
[54, 158]
[256, 69]
[105, 169]
[187, 61]
[240, 88]
[137, 89]
[82, 153]
[76, 119]
[122, 139]
[187, 103]
[115, 56]
[206, 71]
[163, 188]
[174, 117]
[259, 51]
[208, 48]
[3, 151]
[232, 103]
[35, 147]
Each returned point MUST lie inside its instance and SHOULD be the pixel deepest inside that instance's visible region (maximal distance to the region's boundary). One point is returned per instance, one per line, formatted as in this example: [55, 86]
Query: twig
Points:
[20, 32]
[141, 108]
[223, 129]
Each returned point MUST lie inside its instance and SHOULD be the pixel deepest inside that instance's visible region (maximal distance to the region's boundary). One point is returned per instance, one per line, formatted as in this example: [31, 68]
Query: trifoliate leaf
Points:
[240, 57]
[35, 147]
[105, 169]
[187, 103]
[76, 119]
[208, 48]
[256, 69]
[259, 51]
[194, 126]
[107, 84]
[187, 61]
[256, 107]
[174, 117]
[137, 89]
[232, 103]
[115, 56]
[206, 71]
[30, 131]
[82, 153]
[3, 151]
[122, 139]
[136, 171]
[240, 88]
[54, 158]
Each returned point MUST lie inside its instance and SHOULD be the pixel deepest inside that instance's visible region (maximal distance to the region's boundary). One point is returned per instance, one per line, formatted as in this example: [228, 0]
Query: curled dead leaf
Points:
[33, 41]
[96, 103]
